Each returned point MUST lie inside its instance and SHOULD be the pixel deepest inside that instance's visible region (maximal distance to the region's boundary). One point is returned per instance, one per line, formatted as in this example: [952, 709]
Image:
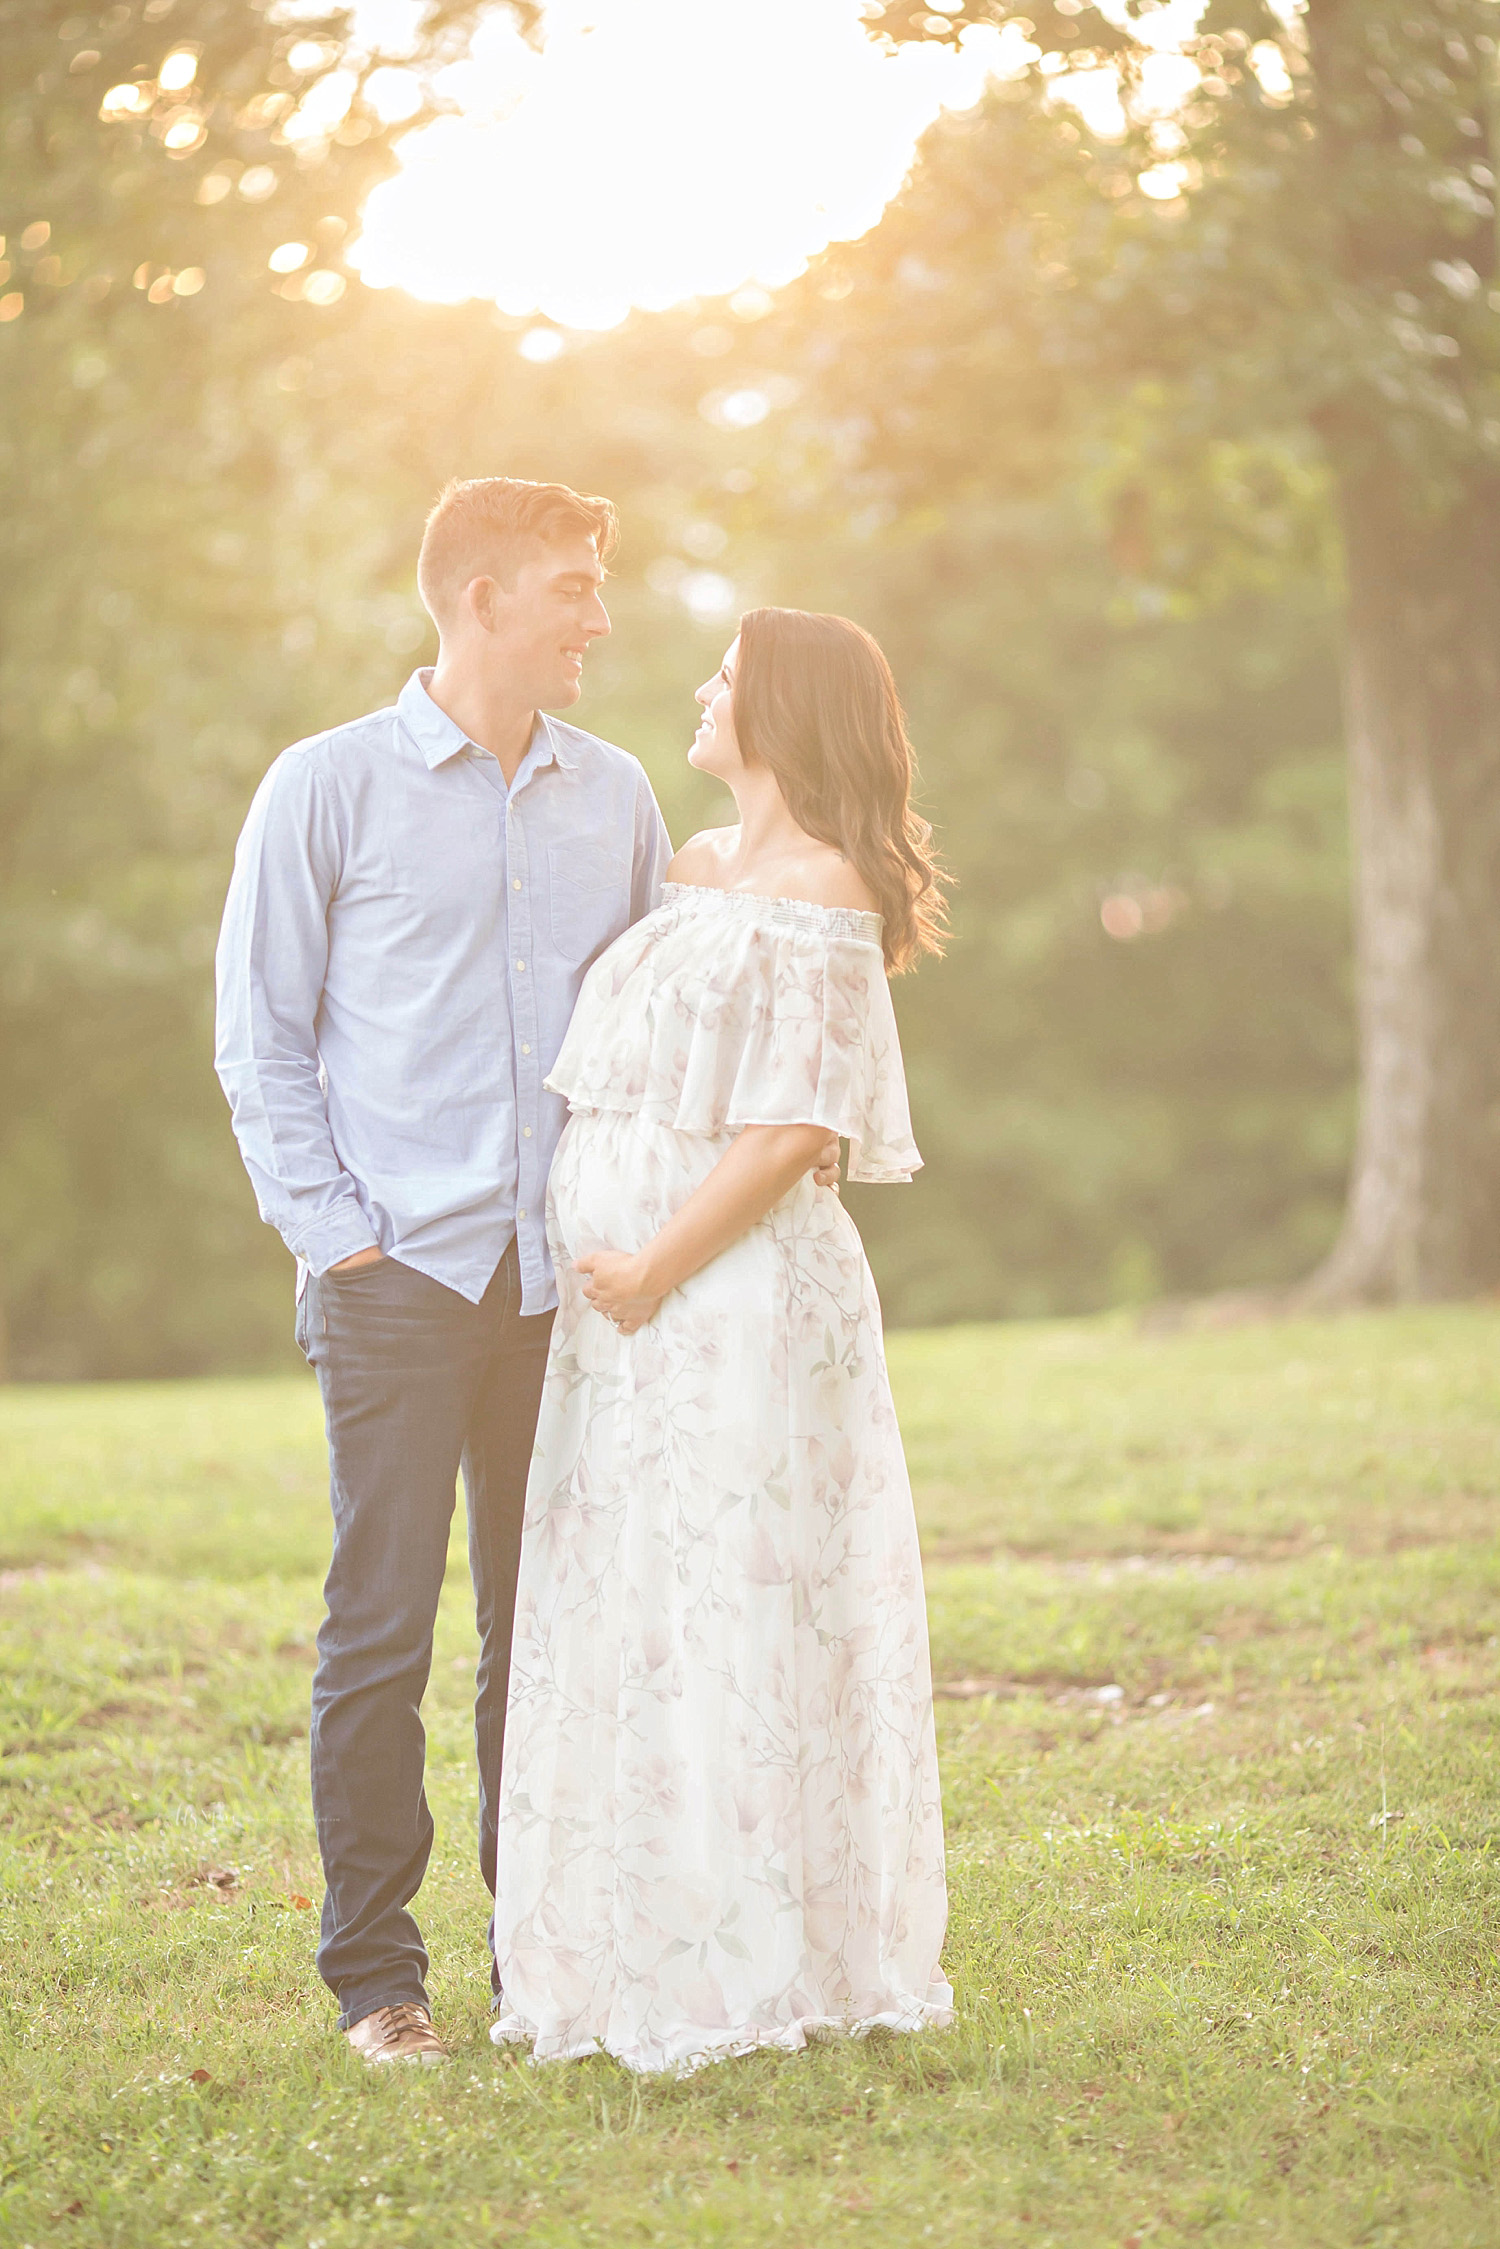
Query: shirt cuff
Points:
[336, 1235]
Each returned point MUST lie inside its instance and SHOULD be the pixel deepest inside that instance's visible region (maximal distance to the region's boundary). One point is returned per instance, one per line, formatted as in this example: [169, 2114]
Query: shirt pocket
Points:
[589, 895]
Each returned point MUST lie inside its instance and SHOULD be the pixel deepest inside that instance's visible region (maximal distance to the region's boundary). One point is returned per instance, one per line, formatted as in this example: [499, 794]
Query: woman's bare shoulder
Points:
[824, 877]
[702, 857]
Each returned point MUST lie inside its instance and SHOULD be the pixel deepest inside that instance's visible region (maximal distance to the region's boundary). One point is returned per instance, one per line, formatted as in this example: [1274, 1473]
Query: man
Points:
[416, 898]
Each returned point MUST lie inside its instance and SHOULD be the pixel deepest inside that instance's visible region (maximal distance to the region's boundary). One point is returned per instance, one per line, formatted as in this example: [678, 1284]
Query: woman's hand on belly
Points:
[826, 1169]
[612, 1284]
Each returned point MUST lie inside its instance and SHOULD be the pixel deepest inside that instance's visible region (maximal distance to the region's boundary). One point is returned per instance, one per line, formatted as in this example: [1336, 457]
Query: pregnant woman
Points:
[719, 1820]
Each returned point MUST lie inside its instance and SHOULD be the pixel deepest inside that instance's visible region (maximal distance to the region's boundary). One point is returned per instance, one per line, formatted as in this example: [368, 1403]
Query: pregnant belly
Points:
[617, 1178]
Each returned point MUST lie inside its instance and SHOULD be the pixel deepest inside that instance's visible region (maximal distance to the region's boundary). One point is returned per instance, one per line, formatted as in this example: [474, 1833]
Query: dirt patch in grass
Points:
[1460, 1518]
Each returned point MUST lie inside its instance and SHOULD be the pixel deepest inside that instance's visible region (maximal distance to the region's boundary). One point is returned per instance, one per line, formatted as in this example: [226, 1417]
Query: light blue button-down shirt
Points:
[403, 943]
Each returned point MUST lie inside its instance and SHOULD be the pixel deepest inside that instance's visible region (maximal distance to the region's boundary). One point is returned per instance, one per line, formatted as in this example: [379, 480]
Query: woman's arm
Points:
[764, 1163]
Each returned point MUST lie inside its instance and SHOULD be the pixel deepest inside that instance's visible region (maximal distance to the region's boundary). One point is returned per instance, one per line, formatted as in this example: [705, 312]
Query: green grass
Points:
[1218, 1616]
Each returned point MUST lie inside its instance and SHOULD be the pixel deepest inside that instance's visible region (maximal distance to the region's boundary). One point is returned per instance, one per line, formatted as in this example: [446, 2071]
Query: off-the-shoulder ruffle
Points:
[722, 1010]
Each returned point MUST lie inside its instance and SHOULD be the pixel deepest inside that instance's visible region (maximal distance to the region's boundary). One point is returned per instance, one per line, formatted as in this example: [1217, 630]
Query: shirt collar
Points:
[439, 737]
[551, 745]
[436, 735]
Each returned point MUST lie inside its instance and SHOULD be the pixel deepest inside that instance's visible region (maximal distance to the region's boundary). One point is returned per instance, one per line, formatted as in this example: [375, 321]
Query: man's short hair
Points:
[480, 527]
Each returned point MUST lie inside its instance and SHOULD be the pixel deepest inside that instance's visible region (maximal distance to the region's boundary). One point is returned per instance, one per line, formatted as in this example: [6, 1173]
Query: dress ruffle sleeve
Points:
[721, 1010]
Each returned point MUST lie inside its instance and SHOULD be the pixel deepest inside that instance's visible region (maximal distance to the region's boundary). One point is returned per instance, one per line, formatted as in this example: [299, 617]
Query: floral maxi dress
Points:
[719, 1818]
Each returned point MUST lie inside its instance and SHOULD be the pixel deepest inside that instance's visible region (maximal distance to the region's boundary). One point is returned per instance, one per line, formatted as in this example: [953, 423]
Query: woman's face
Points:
[715, 747]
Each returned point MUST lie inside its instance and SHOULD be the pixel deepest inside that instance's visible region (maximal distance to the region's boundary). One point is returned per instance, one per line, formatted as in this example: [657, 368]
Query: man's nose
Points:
[597, 623]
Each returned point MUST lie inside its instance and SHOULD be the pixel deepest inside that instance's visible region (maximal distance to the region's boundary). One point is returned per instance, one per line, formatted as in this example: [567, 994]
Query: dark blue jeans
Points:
[416, 1382]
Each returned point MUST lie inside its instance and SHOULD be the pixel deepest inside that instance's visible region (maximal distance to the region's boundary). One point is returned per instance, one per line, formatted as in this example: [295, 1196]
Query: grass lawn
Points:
[1216, 1621]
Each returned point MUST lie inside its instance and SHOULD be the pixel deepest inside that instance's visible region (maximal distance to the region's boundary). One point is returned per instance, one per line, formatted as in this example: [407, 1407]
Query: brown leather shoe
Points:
[398, 2034]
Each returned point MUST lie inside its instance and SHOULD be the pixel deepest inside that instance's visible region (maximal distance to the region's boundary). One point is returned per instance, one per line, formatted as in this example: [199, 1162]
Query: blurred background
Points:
[1002, 334]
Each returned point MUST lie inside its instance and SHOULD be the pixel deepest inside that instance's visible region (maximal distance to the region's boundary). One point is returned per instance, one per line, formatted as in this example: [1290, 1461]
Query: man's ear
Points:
[482, 599]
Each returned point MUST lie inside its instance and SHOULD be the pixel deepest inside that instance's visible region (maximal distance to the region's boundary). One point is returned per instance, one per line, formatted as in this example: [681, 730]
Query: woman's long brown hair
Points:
[815, 701]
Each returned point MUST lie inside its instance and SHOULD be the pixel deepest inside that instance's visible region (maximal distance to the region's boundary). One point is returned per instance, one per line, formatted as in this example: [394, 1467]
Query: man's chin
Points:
[568, 692]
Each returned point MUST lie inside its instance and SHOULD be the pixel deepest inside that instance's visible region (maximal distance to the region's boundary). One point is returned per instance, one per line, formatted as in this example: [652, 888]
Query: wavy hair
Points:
[814, 701]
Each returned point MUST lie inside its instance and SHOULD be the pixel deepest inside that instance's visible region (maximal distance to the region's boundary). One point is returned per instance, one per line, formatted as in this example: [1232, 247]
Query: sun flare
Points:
[654, 150]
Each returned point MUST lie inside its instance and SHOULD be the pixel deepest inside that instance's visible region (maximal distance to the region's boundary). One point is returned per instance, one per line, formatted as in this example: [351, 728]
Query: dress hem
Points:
[864, 1171]
[791, 2038]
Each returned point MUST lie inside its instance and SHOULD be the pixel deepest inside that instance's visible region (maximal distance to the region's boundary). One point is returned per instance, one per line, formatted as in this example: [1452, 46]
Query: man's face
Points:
[541, 624]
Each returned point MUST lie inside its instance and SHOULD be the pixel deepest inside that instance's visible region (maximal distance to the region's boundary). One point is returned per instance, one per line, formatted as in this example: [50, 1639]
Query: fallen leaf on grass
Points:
[300, 1902]
[213, 1878]
[199, 2077]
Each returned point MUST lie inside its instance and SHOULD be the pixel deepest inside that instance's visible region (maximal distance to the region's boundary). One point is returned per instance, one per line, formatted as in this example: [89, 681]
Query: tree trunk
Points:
[1423, 714]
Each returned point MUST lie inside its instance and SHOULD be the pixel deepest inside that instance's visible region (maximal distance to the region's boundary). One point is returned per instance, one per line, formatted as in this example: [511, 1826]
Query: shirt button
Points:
[525, 1132]
[520, 1214]
[520, 964]
[515, 882]
[525, 1046]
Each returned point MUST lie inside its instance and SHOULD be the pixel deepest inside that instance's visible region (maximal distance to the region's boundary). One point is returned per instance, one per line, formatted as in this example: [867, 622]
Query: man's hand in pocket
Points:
[370, 1256]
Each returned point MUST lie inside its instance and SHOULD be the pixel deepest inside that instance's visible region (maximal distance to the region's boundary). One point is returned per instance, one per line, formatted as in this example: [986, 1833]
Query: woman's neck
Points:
[767, 830]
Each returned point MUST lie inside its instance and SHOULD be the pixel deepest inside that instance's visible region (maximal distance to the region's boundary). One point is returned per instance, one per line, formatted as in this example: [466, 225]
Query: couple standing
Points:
[452, 929]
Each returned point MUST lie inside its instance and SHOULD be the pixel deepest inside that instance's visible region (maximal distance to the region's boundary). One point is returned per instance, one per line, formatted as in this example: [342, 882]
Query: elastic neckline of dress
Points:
[838, 921]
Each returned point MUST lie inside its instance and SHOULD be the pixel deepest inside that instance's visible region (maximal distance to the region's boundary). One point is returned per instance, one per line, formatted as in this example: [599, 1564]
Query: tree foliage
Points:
[1124, 697]
[168, 444]
[1064, 448]
[1296, 252]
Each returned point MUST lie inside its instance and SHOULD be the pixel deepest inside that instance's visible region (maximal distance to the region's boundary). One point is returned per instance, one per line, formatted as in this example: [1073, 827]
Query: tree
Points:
[1302, 242]
[1123, 694]
[171, 418]
[1111, 621]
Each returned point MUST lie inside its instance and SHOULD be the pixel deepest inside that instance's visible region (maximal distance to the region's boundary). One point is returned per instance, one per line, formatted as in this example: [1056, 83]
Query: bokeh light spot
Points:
[1122, 916]
[179, 70]
[124, 101]
[308, 55]
[1163, 182]
[708, 596]
[735, 409]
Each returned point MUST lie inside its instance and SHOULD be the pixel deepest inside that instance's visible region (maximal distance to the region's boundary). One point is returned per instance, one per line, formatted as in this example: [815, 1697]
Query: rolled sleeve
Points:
[271, 961]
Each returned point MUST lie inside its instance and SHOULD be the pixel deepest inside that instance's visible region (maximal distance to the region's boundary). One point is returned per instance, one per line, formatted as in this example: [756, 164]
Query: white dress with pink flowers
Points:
[719, 1819]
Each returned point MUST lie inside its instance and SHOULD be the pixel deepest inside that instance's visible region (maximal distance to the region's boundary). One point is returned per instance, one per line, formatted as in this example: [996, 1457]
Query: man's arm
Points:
[652, 855]
[273, 953]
